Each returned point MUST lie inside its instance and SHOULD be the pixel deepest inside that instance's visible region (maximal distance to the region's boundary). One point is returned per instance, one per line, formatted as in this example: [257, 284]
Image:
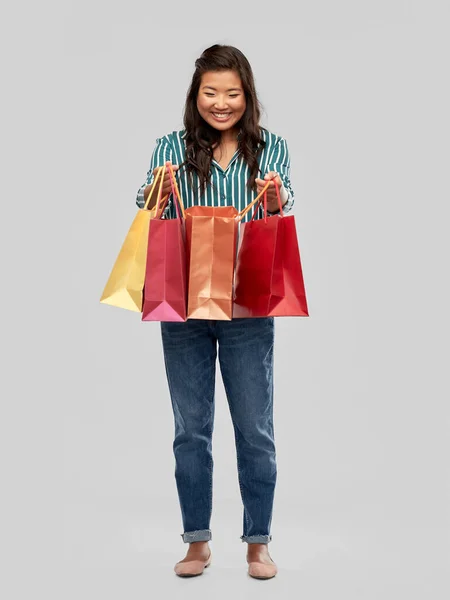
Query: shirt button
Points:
[223, 196]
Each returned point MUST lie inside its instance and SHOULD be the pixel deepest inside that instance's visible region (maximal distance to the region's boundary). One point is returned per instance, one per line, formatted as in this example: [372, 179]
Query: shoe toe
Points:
[261, 570]
[191, 568]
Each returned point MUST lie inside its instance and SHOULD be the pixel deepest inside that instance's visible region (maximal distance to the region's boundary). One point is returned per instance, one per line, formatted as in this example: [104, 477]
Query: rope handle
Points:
[277, 189]
[179, 205]
[155, 181]
[262, 196]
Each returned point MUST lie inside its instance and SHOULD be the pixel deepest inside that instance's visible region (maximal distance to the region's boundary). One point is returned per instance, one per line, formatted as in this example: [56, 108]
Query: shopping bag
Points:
[269, 278]
[165, 289]
[126, 281]
[211, 237]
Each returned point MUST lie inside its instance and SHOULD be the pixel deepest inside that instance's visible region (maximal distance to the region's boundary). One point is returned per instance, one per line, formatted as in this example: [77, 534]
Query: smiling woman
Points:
[221, 100]
[218, 158]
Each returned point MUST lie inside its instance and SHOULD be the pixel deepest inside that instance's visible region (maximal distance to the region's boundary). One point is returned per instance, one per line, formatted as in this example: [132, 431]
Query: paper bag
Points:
[165, 289]
[269, 277]
[126, 281]
[211, 237]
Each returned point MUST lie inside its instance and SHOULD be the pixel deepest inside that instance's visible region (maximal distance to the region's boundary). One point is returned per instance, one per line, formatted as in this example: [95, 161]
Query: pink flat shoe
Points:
[192, 568]
[262, 571]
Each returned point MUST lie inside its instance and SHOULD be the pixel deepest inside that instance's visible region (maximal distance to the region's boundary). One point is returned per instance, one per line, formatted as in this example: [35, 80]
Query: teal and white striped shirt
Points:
[229, 186]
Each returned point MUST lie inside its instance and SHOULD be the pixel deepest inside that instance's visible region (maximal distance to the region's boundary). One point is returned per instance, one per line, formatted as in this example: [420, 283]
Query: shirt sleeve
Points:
[161, 153]
[280, 162]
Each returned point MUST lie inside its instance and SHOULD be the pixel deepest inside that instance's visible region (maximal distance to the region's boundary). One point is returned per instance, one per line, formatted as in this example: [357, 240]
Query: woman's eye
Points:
[231, 95]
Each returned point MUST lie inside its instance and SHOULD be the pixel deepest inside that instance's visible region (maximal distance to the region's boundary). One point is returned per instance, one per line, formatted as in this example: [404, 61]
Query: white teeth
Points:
[221, 115]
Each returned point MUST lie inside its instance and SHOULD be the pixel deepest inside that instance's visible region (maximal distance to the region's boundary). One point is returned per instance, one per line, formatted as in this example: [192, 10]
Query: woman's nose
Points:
[220, 104]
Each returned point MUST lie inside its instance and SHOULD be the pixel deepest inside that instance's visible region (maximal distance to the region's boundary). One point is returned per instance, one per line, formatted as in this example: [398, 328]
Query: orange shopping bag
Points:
[211, 237]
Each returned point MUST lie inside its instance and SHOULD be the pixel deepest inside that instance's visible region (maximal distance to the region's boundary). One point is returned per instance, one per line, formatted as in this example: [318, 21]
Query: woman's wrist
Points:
[284, 196]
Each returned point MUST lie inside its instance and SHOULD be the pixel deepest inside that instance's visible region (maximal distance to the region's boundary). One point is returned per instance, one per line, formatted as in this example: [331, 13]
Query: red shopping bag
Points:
[164, 293]
[269, 278]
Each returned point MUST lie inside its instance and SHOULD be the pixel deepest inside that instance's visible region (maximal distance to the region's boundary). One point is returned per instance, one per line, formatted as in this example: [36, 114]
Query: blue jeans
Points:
[246, 362]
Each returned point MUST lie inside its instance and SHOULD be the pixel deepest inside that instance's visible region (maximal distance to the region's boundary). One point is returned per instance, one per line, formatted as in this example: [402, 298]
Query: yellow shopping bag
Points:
[124, 288]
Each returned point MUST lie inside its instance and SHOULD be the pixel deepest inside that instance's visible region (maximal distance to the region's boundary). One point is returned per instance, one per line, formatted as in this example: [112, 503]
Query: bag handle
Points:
[175, 184]
[167, 199]
[159, 199]
[244, 211]
[176, 194]
[277, 189]
[155, 181]
[259, 198]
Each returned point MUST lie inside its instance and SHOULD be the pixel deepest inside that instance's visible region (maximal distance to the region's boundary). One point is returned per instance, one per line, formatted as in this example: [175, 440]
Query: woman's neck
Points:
[229, 136]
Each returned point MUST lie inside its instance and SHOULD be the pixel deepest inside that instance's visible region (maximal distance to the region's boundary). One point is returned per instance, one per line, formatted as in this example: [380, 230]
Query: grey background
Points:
[360, 92]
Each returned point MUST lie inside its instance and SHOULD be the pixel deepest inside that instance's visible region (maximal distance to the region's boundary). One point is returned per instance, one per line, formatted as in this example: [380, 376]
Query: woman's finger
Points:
[264, 182]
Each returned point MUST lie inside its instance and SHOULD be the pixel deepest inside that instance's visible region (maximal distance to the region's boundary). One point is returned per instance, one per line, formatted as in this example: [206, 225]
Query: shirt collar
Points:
[239, 136]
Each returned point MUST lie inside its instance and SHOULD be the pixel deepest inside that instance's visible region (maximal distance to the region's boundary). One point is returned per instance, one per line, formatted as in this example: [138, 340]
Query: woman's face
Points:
[221, 99]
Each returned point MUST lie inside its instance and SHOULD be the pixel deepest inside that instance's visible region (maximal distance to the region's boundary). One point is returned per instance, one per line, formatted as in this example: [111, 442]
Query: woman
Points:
[217, 158]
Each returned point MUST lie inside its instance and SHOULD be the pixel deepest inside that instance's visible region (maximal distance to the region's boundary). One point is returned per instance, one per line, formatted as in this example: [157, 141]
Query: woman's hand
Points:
[167, 187]
[272, 200]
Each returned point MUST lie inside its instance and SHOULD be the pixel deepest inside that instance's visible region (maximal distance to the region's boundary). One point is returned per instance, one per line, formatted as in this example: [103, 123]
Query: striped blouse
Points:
[228, 186]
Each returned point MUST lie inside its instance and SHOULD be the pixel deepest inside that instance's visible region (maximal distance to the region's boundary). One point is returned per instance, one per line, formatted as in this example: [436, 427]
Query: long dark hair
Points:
[200, 136]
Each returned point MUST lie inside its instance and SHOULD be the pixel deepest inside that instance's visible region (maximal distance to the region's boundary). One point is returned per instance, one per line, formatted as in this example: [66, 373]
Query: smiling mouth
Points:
[221, 116]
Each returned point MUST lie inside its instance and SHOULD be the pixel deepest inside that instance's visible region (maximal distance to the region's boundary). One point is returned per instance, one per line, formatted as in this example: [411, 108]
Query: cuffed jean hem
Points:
[256, 539]
[200, 535]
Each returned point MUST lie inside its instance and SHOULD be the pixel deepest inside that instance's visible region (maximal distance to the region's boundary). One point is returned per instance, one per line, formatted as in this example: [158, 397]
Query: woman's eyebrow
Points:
[213, 88]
